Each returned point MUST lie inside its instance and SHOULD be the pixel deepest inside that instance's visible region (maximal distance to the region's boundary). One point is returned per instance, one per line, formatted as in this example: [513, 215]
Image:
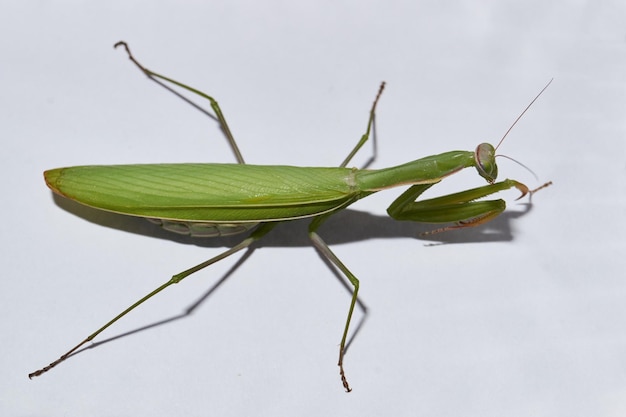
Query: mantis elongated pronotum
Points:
[224, 199]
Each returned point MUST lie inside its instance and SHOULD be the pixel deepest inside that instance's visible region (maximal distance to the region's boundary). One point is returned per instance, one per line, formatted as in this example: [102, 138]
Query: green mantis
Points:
[225, 199]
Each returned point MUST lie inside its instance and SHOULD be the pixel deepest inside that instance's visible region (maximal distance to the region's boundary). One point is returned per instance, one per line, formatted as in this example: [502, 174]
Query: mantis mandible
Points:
[207, 199]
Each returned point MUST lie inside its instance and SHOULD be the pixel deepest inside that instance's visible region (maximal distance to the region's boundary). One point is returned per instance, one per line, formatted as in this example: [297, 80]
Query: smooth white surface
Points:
[528, 320]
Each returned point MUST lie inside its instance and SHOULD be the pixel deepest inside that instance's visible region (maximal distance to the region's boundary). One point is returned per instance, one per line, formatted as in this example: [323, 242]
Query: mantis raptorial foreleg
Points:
[460, 207]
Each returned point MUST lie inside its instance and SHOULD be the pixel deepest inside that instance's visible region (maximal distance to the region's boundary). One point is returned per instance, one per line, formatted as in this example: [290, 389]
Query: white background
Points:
[523, 317]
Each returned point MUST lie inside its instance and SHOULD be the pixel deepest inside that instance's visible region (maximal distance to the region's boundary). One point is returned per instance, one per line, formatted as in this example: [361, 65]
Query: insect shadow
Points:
[346, 226]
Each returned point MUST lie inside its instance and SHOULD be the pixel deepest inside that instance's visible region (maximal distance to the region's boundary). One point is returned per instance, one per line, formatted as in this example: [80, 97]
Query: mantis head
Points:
[485, 154]
[485, 158]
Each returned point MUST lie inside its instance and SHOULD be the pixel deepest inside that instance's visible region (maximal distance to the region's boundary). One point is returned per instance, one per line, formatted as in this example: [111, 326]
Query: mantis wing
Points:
[206, 192]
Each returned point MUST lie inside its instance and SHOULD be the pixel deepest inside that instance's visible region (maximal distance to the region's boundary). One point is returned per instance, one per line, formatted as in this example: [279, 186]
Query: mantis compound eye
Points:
[485, 156]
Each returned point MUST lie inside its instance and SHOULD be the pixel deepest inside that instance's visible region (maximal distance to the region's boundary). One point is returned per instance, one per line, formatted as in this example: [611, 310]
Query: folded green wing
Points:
[206, 192]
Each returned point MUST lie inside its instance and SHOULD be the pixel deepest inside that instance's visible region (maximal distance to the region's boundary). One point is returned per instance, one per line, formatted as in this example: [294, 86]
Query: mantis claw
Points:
[522, 188]
[344, 381]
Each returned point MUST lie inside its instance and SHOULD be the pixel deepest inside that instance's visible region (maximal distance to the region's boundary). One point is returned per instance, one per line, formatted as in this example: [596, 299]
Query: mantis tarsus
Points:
[225, 199]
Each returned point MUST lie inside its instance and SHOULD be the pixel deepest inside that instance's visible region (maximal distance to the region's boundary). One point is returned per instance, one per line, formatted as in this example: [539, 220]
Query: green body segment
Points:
[235, 193]
[428, 170]
[205, 192]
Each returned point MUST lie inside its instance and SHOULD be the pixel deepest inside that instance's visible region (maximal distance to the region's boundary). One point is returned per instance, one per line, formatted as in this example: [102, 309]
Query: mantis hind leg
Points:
[219, 115]
[261, 231]
[216, 108]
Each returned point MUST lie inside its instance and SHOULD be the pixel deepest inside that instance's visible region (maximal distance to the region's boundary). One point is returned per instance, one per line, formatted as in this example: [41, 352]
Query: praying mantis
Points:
[210, 199]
